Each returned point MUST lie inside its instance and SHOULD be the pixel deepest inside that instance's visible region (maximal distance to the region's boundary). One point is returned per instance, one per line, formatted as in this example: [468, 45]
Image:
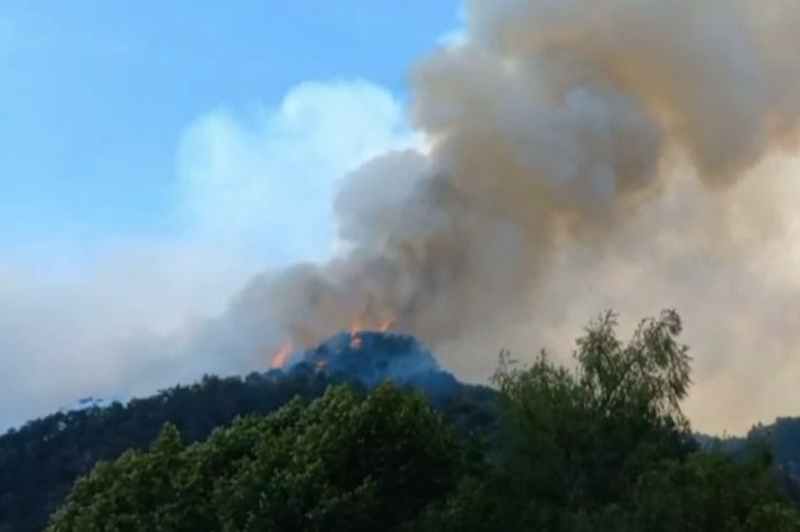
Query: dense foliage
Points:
[40, 462]
[600, 446]
[339, 463]
[605, 447]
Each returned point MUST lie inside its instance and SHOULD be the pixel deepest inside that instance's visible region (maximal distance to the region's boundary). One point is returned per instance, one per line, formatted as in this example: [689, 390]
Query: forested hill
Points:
[40, 461]
[605, 442]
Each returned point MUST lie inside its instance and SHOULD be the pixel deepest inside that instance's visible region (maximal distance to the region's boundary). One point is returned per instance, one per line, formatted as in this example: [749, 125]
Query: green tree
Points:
[712, 491]
[577, 439]
[599, 446]
[139, 491]
[604, 446]
[338, 463]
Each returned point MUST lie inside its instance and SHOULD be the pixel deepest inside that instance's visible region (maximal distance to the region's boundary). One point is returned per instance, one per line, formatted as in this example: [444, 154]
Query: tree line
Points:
[600, 445]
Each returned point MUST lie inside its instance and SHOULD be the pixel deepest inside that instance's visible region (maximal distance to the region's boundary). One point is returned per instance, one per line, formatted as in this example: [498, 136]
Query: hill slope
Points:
[40, 461]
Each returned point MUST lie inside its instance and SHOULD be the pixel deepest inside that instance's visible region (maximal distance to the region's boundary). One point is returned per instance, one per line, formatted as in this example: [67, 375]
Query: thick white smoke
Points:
[581, 154]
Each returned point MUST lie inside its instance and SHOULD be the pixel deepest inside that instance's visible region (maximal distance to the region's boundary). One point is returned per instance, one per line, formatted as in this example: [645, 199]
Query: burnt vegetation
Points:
[600, 444]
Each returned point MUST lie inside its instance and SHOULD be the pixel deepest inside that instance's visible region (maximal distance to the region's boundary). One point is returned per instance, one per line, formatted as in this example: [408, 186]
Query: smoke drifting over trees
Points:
[578, 155]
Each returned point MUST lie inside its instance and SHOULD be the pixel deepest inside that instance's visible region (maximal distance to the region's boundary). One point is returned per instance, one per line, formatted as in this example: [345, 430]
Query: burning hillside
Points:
[363, 322]
[581, 155]
[371, 357]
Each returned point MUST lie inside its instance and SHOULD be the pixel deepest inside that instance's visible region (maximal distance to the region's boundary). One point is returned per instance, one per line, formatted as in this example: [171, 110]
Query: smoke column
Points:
[580, 154]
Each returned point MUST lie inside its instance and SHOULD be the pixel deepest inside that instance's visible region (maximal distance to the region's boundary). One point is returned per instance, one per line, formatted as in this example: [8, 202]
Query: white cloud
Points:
[253, 190]
[452, 38]
[64, 338]
[274, 176]
[458, 34]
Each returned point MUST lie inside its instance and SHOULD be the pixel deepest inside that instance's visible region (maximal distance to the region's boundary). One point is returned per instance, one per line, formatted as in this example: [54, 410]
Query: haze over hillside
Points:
[614, 417]
[564, 158]
[574, 158]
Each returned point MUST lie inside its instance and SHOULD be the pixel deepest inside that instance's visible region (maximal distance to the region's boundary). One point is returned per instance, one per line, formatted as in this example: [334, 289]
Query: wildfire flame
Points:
[387, 324]
[282, 356]
[364, 322]
[355, 340]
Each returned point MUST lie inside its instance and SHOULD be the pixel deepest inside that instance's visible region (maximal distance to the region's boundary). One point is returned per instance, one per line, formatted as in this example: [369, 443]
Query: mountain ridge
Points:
[40, 461]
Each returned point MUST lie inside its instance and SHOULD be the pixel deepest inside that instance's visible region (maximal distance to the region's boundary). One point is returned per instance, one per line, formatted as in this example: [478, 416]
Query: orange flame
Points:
[359, 322]
[355, 340]
[282, 356]
[367, 319]
[364, 321]
[387, 324]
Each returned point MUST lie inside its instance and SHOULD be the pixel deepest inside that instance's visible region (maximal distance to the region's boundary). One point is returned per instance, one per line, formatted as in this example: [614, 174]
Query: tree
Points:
[139, 491]
[599, 446]
[605, 446]
[40, 462]
[338, 463]
[585, 434]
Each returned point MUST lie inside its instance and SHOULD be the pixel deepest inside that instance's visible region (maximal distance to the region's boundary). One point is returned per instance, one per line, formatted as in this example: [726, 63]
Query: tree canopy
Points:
[339, 463]
[604, 446]
[40, 461]
[597, 445]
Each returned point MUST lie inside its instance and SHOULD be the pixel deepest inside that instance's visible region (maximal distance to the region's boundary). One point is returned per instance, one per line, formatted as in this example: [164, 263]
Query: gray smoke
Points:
[580, 154]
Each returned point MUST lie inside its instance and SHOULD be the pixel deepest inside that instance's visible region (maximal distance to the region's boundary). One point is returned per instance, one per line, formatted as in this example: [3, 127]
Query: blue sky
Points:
[94, 99]
[153, 155]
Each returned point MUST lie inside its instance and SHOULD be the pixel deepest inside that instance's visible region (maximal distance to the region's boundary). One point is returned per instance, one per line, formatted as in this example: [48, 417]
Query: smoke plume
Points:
[579, 155]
